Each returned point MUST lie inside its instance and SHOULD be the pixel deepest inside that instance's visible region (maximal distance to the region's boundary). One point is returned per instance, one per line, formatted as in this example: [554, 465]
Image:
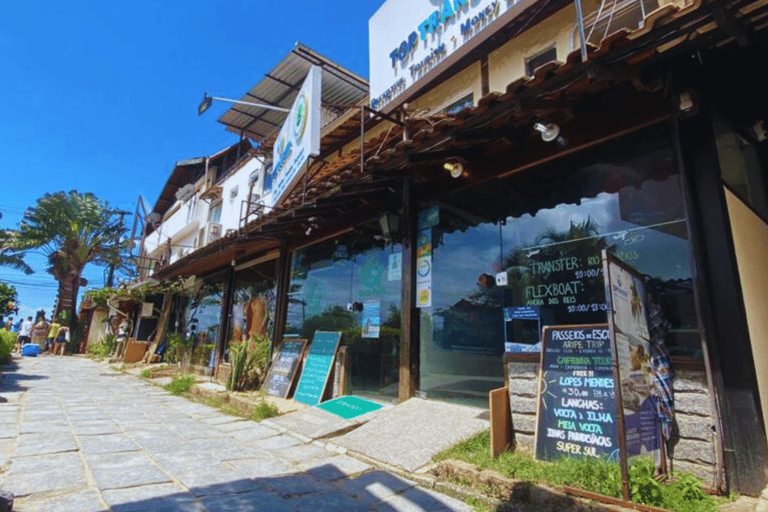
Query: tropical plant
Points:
[177, 346]
[72, 229]
[248, 361]
[9, 258]
[7, 342]
[7, 298]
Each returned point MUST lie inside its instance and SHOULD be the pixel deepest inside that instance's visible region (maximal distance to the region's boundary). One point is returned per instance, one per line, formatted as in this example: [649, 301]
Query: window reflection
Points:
[352, 285]
[518, 254]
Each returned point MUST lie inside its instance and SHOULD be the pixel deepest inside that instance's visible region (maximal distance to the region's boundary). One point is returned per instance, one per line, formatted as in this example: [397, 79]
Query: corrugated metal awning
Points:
[280, 86]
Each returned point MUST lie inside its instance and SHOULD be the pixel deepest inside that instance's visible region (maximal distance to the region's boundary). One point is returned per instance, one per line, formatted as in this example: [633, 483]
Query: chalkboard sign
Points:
[283, 370]
[576, 403]
[317, 368]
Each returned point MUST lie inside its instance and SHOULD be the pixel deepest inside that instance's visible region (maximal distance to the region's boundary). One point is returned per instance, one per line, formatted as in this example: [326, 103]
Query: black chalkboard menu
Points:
[576, 402]
[283, 371]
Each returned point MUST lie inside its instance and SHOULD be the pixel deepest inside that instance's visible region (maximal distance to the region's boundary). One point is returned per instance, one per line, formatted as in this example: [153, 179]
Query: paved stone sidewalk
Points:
[76, 436]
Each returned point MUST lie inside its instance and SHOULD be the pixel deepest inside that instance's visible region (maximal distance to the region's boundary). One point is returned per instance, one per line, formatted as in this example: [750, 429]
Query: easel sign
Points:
[317, 368]
[576, 402]
[639, 432]
[282, 373]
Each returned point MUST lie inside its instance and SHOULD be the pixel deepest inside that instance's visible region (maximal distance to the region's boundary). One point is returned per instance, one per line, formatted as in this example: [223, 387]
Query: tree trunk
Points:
[69, 286]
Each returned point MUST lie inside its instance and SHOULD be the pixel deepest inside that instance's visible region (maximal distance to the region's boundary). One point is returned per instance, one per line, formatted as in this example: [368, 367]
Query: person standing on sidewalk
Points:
[52, 333]
[25, 331]
[39, 330]
[61, 341]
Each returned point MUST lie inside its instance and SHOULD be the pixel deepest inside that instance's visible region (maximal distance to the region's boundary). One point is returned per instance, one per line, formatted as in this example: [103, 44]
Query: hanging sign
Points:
[576, 402]
[297, 140]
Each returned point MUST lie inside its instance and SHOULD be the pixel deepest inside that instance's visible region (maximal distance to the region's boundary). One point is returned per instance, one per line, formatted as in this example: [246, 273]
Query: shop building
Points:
[468, 205]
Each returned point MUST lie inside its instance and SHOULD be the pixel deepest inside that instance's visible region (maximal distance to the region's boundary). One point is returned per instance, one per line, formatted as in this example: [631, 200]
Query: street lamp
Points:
[207, 100]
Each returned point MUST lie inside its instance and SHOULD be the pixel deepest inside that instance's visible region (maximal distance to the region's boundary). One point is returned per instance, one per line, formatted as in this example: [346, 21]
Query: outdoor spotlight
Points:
[455, 167]
[390, 225]
[549, 132]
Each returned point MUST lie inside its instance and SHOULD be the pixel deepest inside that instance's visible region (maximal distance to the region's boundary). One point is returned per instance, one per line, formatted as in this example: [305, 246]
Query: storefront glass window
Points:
[202, 320]
[352, 285]
[511, 257]
[253, 305]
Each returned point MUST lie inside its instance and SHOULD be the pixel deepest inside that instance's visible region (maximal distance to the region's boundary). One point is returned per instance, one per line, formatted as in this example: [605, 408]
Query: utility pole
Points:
[111, 275]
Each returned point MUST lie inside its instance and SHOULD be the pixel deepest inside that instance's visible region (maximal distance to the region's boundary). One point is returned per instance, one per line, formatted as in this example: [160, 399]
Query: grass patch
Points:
[180, 384]
[683, 493]
[146, 373]
[264, 411]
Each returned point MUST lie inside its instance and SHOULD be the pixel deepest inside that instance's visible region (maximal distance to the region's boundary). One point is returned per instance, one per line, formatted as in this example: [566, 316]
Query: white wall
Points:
[231, 203]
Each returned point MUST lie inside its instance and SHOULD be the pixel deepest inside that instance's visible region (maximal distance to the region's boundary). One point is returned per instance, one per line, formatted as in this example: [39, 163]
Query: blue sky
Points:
[102, 96]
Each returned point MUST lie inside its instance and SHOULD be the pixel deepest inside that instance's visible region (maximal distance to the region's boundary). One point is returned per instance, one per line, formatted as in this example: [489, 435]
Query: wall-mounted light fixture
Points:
[549, 132]
[455, 166]
[390, 225]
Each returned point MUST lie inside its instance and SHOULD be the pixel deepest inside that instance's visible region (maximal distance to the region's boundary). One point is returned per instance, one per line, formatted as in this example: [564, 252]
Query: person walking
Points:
[39, 330]
[61, 341]
[52, 333]
[25, 331]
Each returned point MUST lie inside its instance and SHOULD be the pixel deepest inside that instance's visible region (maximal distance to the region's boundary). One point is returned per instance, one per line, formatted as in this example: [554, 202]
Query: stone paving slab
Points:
[336, 467]
[42, 443]
[253, 433]
[275, 442]
[313, 423]
[257, 501]
[79, 500]
[84, 438]
[409, 435]
[96, 428]
[160, 497]
[108, 443]
[424, 500]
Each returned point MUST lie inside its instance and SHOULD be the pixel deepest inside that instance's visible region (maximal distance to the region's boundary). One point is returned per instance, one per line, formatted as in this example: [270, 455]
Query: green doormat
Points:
[349, 407]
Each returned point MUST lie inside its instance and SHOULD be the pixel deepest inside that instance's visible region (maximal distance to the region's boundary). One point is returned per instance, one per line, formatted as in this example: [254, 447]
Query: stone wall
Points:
[693, 449]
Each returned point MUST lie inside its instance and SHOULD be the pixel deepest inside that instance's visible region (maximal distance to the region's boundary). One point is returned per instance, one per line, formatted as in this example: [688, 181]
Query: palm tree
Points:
[72, 229]
[13, 260]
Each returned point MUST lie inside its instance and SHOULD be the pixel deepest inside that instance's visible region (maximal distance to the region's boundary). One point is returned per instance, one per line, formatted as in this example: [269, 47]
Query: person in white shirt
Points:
[25, 331]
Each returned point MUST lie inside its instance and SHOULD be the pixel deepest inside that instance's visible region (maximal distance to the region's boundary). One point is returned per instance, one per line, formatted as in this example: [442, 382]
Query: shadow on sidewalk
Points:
[322, 488]
[10, 379]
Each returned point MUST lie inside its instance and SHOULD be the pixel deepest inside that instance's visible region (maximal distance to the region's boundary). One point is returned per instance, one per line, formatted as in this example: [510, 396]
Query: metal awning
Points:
[280, 86]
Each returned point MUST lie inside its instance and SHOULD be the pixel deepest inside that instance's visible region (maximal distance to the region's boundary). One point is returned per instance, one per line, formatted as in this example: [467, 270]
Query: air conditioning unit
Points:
[185, 192]
[214, 232]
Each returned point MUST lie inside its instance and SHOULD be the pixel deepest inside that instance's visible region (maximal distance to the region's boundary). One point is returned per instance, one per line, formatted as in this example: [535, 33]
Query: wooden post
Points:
[341, 373]
[409, 331]
[501, 421]
[162, 326]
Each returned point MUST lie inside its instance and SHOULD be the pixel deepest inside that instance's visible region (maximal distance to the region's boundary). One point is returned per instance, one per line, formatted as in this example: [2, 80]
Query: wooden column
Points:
[281, 305]
[722, 309]
[409, 325]
[226, 315]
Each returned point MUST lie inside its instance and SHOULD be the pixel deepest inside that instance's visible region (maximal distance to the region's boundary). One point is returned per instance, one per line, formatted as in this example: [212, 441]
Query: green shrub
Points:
[248, 361]
[177, 346]
[263, 411]
[103, 348]
[180, 384]
[146, 373]
[202, 353]
[7, 342]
